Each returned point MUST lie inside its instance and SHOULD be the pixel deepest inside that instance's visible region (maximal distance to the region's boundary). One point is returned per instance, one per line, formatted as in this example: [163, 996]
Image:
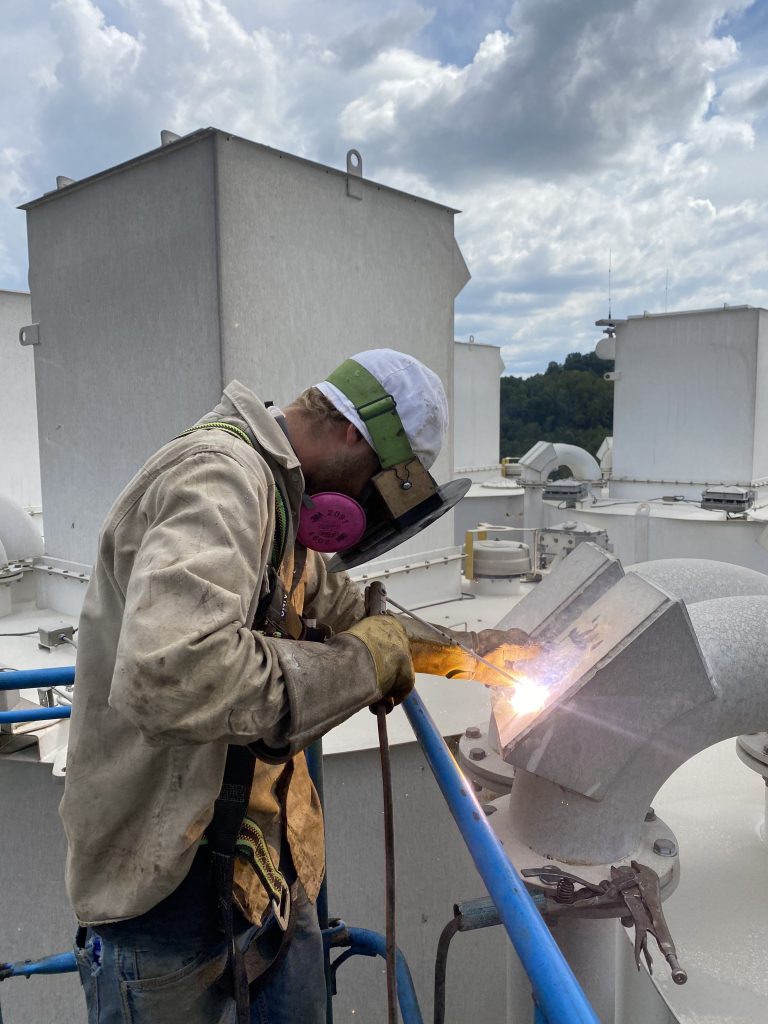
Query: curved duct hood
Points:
[18, 534]
[545, 457]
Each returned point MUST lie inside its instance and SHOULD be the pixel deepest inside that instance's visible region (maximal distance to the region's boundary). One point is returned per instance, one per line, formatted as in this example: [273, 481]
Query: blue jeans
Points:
[136, 973]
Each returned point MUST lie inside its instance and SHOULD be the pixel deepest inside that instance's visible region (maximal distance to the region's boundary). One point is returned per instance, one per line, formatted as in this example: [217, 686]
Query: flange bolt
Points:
[477, 754]
[472, 732]
[665, 848]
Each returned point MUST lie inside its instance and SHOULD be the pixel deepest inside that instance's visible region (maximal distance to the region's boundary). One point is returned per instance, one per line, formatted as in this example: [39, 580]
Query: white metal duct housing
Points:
[690, 405]
[20, 463]
[213, 258]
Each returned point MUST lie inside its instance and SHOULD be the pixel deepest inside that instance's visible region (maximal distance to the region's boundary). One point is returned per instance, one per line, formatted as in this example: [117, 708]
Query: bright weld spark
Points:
[527, 697]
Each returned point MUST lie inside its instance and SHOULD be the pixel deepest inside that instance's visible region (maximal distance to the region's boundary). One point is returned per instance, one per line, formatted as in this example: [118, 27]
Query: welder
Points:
[215, 646]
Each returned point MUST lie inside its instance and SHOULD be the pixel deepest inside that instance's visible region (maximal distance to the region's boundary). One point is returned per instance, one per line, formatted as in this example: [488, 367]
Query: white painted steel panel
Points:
[476, 408]
[124, 286]
[157, 282]
[309, 276]
[20, 466]
[685, 400]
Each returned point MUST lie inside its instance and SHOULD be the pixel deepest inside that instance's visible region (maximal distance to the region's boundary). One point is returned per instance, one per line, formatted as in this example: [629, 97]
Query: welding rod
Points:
[451, 639]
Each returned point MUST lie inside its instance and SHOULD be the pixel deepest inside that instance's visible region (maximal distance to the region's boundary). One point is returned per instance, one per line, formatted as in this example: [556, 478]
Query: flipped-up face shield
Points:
[402, 498]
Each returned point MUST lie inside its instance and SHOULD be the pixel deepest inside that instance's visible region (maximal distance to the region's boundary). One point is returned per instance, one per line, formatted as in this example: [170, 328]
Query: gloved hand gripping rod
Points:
[452, 640]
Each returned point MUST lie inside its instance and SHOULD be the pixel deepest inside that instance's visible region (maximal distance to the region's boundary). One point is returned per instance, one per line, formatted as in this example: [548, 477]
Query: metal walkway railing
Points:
[557, 995]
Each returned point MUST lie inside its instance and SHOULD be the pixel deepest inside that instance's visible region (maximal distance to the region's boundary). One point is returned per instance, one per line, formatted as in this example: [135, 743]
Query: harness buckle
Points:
[282, 908]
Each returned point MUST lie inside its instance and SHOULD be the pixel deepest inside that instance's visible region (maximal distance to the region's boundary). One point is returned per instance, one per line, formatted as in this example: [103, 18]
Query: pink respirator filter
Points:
[330, 522]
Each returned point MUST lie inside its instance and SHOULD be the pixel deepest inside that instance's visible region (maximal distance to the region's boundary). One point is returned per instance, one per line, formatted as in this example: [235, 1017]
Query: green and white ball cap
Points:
[418, 393]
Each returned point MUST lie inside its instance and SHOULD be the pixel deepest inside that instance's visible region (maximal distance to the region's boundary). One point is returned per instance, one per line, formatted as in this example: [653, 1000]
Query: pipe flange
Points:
[482, 764]
[752, 749]
[658, 849]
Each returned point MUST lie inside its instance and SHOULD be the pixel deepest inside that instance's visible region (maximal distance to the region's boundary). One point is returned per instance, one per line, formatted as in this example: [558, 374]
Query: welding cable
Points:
[376, 604]
[467, 916]
[389, 858]
[441, 964]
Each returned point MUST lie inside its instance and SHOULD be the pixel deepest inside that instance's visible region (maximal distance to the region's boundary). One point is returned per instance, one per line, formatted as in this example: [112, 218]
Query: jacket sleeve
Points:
[331, 597]
[188, 667]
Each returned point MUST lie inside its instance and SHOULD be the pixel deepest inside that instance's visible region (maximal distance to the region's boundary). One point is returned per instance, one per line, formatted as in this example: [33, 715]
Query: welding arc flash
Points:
[527, 696]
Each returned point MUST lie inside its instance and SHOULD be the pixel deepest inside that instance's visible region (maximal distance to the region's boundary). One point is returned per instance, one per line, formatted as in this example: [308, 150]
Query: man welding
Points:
[215, 646]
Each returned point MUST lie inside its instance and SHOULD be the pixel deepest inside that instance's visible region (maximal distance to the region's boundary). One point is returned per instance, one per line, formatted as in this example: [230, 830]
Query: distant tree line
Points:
[570, 402]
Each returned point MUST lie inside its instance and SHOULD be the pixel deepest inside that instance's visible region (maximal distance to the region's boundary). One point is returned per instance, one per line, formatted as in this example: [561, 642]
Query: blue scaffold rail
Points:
[37, 678]
[34, 715]
[59, 963]
[31, 679]
[558, 997]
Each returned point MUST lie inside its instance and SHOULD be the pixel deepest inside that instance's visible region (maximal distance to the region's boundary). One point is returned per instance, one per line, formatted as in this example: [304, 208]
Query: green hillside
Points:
[570, 402]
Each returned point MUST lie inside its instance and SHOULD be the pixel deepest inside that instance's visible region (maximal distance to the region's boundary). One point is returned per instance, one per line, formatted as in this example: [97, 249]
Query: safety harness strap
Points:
[377, 409]
[229, 811]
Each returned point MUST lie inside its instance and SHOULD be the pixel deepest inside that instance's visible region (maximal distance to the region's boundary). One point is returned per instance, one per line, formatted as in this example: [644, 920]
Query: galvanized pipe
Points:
[555, 988]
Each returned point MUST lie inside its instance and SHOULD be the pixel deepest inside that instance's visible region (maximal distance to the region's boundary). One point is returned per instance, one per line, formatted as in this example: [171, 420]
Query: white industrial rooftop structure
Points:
[156, 282]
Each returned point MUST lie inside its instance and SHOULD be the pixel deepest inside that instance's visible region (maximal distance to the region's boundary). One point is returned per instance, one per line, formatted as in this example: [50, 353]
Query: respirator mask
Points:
[401, 499]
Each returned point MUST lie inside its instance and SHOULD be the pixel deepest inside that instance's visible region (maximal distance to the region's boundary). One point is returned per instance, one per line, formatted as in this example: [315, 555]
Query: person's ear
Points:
[353, 436]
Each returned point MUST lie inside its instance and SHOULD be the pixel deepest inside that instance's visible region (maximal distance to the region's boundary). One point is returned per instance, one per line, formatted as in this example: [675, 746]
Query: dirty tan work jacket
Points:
[169, 671]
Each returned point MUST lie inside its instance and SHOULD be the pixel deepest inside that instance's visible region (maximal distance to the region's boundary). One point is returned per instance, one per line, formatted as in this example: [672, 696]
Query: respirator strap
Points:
[378, 411]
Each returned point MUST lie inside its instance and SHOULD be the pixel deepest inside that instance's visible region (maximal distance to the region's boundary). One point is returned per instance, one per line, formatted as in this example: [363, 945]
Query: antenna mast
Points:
[610, 260]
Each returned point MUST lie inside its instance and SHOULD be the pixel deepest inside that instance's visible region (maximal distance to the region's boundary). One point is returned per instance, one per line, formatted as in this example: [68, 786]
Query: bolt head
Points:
[472, 732]
[650, 814]
[477, 754]
[665, 848]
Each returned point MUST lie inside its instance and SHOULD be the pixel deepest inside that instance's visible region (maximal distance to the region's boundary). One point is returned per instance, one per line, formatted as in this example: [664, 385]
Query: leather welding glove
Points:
[436, 655]
[387, 641]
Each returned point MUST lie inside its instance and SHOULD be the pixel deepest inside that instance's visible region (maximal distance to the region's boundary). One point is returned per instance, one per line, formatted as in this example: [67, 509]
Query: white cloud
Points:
[567, 87]
[100, 56]
[567, 128]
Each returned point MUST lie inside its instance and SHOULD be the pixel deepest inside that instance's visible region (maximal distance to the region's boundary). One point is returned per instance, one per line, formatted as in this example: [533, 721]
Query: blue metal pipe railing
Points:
[354, 942]
[59, 963]
[362, 942]
[557, 994]
[35, 715]
[35, 678]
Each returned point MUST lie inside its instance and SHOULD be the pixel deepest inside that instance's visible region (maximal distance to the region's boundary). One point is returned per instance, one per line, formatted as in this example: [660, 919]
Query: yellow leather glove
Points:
[505, 649]
[386, 639]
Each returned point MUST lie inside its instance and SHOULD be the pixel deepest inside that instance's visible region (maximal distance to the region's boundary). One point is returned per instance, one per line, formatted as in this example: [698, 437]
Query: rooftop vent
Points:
[569, 491]
[727, 499]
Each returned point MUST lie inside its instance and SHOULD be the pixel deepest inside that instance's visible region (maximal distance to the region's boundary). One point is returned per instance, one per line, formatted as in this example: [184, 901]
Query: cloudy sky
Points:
[561, 128]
